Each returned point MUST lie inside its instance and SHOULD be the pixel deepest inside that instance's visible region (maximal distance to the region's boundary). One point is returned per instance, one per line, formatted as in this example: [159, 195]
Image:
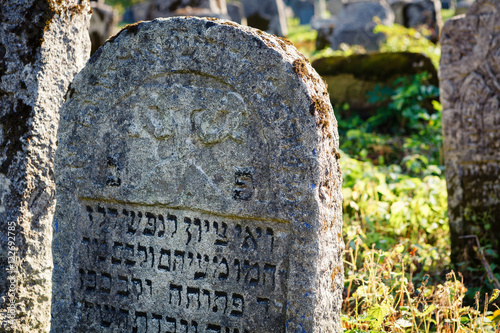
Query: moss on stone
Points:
[132, 28]
[377, 66]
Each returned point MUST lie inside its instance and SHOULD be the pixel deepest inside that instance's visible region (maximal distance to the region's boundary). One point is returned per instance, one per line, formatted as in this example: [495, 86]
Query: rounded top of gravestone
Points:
[173, 110]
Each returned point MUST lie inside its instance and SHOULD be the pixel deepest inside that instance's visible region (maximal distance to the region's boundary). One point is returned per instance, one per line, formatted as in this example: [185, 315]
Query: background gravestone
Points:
[354, 24]
[235, 13]
[470, 90]
[199, 187]
[42, 46]
[266, 15]
[102, 23]
[416, 13]
[151, 9]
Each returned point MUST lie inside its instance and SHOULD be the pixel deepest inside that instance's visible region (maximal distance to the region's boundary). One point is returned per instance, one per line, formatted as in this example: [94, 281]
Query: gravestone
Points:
[152, 9]
[470, 90]
[306, 10]
[417, 13]
[266, 15]
[354, 24]
[335, 6]
[199, 187]
[42, 46]
[303, 10]
[102, 23]
[235, 13]
[350, 79]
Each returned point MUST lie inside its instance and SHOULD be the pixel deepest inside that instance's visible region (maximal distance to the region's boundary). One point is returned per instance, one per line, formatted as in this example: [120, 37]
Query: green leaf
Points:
[494, 296]
[377, 312]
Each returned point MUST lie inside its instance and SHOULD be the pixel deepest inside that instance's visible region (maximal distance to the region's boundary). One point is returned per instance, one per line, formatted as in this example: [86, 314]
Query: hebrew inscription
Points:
[201, 270]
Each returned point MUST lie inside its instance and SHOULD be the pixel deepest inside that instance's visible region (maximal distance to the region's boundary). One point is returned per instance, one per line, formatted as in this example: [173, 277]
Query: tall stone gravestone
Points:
[42, 46]
[470, 95]
[199, 187]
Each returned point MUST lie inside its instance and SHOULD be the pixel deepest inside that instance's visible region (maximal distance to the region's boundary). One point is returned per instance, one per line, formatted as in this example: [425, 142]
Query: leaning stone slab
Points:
[470, 91]
[199, 187]
[43, 44]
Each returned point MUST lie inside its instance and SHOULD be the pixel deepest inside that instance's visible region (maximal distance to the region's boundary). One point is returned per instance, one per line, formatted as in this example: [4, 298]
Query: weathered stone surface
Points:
[416, 13]
[42, 46]
[350, 78]
[354, 24]
[266, 15]
[102, 23]
[469, 92]
[198, 186]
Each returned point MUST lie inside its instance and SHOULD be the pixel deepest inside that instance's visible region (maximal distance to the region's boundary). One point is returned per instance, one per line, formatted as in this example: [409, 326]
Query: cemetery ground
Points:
[398, 274]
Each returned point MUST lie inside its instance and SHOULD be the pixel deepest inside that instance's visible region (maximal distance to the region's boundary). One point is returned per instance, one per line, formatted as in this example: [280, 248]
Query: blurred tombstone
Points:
[355, 23]
[166, 8]
[470, 95]
[102, 23]
[307, 10]
[267, 15]
[325, 28]
[334, 7]
[137, 12]
[303, 10]
[235, 13]
[351, 78]
[416, 13]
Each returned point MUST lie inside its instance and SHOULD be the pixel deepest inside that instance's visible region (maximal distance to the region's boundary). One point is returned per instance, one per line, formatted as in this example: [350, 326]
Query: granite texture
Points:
[43, 44]
[199, 186]
[469, 92]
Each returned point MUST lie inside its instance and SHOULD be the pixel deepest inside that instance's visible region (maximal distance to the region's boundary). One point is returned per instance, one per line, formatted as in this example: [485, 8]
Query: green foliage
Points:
[120, 5]
[447, 14]
[399, 38]
[406, 112]
[391, 207]
[406, 131]
[302, 36]
[381, 296]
